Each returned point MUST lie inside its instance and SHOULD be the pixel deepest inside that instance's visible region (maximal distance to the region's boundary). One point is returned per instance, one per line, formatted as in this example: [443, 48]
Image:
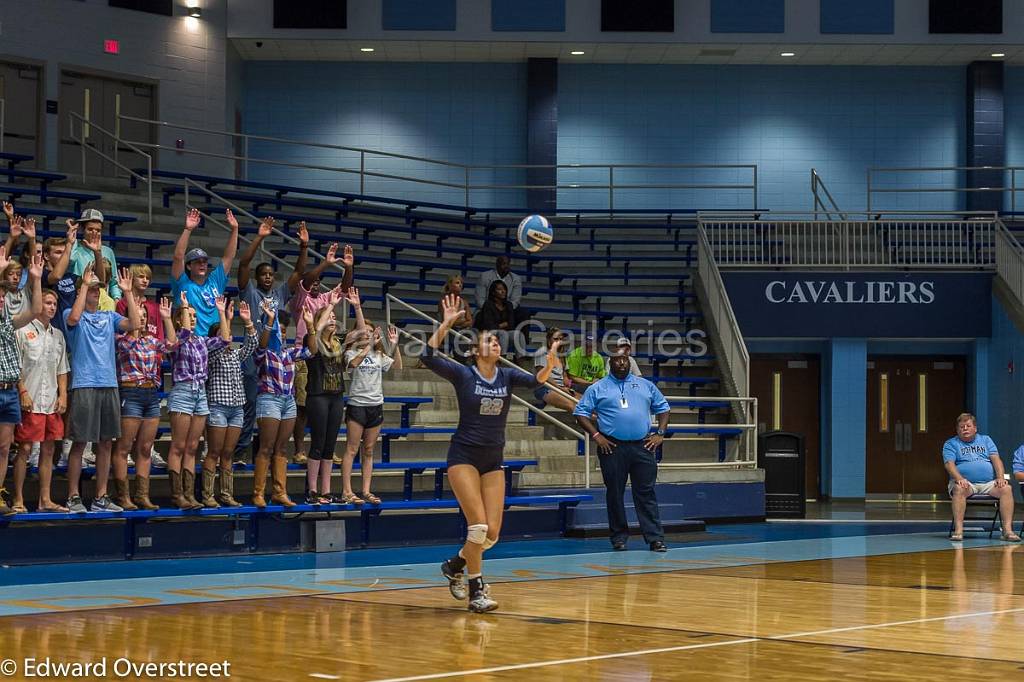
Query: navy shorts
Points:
[485, 458]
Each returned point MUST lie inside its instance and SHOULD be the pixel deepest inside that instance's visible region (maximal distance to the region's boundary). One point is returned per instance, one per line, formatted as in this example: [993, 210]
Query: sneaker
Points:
[131, 460]
[314, 498]
[482, 602]
[88, 457]
[33, 458]
[456, 581]
[157, 459]
[104, 504]
[658, 546]
[75, 505]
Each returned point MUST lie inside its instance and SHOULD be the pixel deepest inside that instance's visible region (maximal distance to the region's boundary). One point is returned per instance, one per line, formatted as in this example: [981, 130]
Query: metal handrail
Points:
[390, 298]
[466, 185]
[87, 127]
[1013, 189]
[749, 437]
[719, 310]
[189, 182]
[3, 121]
[1010, 261]
[818, 184]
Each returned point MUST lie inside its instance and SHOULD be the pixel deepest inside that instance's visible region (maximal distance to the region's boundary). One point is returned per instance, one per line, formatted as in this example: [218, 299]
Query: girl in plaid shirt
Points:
[140, 378]
[275, 403]
[225, 392]
[187, 400]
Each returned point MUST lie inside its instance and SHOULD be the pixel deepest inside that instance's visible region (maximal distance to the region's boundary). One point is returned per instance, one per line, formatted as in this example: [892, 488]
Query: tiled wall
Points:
[1014, 117]
[464, 113]
[839, 120]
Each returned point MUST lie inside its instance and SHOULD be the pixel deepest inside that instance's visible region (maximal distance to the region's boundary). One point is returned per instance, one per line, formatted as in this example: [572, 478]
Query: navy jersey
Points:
[483, 404]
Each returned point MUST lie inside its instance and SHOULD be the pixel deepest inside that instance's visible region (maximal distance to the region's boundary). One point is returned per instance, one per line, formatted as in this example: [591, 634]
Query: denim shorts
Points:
[224, 416]
[279, 407]
[185, 399]
[10, 407]
[140, 403]
[539, 395]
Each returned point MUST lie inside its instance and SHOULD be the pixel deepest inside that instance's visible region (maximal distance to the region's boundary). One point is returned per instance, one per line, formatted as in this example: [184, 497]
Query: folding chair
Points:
[980, 501]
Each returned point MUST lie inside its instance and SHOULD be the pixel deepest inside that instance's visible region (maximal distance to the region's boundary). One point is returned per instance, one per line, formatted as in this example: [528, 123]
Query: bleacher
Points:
[407, 249]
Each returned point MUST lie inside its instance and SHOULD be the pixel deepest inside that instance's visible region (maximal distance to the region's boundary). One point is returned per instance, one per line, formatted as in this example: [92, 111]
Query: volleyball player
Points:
[475, 455]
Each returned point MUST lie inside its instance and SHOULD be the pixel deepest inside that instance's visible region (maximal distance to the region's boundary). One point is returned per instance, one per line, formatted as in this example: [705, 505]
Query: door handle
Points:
[898, 433]
[908, 437]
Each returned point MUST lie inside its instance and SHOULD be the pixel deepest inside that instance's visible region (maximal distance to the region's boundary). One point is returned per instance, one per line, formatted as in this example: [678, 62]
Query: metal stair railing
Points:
[746, 456]
[820, 192]
[87, 128]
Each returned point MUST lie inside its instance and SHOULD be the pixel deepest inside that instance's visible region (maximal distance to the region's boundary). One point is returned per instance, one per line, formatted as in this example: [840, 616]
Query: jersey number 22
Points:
[491, 406]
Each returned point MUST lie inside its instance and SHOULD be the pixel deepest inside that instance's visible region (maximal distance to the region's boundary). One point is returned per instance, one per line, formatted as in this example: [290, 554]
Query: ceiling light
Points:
[998, 54]
[579, 52]
[787, 54]
[195, 12]
[366, 49]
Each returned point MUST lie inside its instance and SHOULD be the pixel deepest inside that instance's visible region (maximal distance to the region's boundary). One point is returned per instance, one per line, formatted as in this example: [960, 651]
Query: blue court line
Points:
[186, 589]
[423, 554]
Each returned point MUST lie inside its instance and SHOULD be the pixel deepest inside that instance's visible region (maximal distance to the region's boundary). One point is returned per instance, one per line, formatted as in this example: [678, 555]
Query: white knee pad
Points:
[477, 534]
[488, 543]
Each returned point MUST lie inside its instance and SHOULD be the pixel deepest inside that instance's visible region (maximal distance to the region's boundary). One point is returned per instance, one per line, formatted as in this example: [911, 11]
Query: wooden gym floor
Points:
[936, 614]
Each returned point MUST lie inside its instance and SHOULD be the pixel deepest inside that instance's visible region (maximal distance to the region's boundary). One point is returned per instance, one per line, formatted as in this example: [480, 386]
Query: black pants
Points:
[631, 460]
[324, 414]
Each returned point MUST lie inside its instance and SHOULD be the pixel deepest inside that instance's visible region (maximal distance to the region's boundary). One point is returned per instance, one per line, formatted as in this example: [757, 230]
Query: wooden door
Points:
[20, 92]
[788, 392]
[912, 404]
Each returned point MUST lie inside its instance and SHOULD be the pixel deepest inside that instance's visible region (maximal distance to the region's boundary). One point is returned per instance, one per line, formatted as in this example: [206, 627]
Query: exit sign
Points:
[112, 46]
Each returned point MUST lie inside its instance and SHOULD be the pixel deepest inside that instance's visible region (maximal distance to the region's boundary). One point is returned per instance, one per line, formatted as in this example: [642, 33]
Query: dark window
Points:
[638, 15]
[965, 16]
[165, 7]
[310, 14]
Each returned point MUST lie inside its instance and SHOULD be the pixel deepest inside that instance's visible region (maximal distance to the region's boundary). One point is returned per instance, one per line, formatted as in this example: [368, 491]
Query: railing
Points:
[389, 299]
[745, 408]
[235, 208]
[459, 176]
[718, 313]
[873, 181]
[1010, 261]
[808, 241]
[87, 128]
[3, 122]
[820, 193]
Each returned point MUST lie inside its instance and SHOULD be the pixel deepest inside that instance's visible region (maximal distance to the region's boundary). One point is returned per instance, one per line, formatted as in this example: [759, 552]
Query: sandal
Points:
[52, 507]
[371, 498]
[351, 498]
[18, 509]
[956, 537]
[1010, 536]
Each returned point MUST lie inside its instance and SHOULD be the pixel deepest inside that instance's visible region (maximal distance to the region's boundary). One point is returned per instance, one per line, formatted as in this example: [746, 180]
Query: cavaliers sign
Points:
[861, 305]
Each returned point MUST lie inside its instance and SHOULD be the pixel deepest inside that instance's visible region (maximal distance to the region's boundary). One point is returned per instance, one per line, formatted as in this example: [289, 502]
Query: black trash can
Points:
[781, 455]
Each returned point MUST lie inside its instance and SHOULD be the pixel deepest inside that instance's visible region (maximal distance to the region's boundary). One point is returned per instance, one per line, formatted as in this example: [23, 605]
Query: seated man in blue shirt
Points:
[975, 468]
[624, 404]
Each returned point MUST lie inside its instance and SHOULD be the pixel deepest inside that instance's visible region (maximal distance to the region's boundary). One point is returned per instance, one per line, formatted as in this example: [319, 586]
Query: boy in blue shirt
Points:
[975, 468]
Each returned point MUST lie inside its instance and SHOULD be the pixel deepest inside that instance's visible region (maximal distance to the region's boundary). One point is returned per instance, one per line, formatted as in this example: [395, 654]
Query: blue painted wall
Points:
[418, 15]
[1014, 118]
[862, 16]
[527, 15]
[847, 435]
[1005, 389]
[468, 113]
[839, 120]
[748, 16]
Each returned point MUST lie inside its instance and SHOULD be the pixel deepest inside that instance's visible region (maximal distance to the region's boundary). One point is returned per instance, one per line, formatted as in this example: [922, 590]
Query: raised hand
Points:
[17, 226]
[221, 303]
[72, 232]
[192, 219]
[125, 279]
[229, 312]
[232, 220]
[451, 306]
[88, 276]
[184, 299]
[266, 226]
[29, 228]
[165, 308]
[307, 317]
[269, 309]
[352, 296]
[392, 334]
[4, 260]
[244, 312]
[332, 254]
[347, 257]
[303, 233]
[326, 320]
[35, 268]
[9, 211]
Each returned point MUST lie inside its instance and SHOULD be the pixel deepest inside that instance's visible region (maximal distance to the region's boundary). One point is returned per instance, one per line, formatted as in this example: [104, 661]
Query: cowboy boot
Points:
[188, 488]
[259, 480]
[226, 495]
[142, 493]
[209, 480]
[177, 498]
[280, 478]
[122, 495]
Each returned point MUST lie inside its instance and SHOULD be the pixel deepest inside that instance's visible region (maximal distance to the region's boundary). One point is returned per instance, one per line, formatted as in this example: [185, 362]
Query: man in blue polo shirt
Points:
[974, 467]
[624, 404]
